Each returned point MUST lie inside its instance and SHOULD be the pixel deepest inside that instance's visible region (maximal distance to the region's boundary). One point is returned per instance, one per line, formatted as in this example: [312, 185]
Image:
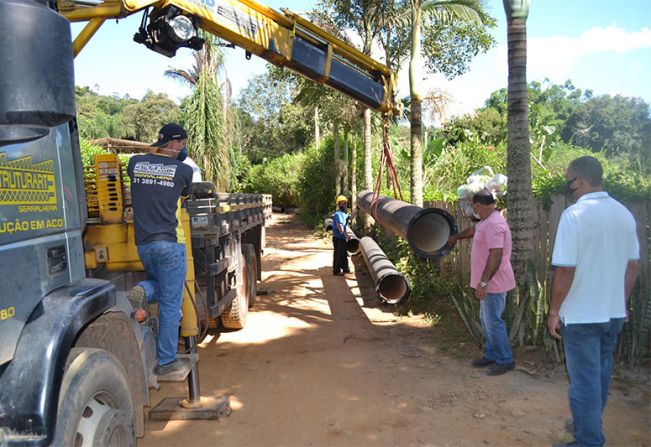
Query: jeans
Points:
[496, 346]
[164, 263]
[589, 352]
[340, 256]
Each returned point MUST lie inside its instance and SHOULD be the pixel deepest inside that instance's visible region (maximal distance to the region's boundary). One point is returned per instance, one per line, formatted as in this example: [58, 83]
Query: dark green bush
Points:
[317, 183]
[279, 177]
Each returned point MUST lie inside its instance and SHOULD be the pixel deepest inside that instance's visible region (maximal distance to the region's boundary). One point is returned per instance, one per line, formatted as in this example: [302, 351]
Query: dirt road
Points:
[321, 363]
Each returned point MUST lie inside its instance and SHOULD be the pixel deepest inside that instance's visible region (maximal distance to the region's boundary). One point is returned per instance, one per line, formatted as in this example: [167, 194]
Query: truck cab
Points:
[67, 340]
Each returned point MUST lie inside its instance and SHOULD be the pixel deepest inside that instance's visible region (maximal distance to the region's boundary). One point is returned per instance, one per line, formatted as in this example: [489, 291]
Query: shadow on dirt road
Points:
[322, 363]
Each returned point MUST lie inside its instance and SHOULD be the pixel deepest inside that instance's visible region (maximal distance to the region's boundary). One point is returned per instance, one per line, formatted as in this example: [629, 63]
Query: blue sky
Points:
[601, 45]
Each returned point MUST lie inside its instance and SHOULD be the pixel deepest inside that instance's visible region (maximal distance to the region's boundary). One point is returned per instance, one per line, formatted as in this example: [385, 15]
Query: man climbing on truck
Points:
[158, 184]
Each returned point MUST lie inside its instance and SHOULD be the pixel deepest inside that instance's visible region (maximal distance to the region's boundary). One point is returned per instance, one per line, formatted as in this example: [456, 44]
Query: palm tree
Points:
[519, 151]
[208, 59]
[365, 17]
[206, 115]
[418, 13]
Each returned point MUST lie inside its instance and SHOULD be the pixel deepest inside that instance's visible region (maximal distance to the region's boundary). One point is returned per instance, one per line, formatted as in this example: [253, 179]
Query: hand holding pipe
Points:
[426, 229]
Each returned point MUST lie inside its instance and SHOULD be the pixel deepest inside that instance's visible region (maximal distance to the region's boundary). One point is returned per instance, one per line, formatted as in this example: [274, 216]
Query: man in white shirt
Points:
[196, 171]
[595, 261]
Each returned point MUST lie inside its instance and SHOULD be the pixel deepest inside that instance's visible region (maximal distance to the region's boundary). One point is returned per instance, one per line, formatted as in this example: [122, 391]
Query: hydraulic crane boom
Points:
[284, 39]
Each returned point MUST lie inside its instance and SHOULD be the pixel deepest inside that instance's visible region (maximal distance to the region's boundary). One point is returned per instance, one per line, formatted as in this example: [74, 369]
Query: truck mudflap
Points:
[29, 384]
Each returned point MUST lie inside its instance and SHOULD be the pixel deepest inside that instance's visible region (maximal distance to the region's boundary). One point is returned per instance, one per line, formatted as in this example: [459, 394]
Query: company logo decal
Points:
[23, 182]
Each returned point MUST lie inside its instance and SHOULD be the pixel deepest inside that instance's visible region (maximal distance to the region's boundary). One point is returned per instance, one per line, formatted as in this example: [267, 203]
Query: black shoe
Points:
[176, 365]
[338, 274]
[346, 271]
[481, 362]
[498, 369]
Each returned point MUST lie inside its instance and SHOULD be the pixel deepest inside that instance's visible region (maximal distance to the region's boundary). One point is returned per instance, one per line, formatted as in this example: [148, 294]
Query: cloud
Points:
[556, 58]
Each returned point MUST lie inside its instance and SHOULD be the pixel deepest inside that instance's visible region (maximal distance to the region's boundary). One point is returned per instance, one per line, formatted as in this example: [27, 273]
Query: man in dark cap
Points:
[159, 182]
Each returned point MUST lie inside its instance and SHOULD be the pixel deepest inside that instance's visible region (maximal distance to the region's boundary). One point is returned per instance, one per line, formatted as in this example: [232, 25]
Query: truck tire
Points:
[234, 316]
[95, 405]
[251, 261]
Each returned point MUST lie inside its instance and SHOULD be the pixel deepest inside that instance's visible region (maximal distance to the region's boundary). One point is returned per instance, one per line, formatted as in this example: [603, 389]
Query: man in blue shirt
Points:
[339, 238]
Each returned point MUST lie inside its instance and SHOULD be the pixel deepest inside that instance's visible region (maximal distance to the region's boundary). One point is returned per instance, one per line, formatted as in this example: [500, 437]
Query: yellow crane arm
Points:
[282, 38]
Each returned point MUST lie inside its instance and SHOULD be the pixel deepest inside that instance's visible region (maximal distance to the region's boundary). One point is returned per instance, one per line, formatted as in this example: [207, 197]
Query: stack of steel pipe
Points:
[391, 286]
[426, 229]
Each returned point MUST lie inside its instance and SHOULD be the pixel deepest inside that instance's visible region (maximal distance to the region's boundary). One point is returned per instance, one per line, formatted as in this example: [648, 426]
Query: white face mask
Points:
[475, 214]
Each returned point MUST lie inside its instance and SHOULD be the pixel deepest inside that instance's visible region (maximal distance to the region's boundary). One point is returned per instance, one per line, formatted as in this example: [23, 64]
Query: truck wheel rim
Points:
[102, 424]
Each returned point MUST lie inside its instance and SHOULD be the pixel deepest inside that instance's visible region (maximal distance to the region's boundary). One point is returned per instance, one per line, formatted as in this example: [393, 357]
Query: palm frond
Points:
[448, 10]
[402, 19]
[182, 76]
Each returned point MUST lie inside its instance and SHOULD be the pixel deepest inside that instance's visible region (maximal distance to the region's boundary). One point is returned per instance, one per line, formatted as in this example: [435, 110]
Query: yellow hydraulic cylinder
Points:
[189, 325]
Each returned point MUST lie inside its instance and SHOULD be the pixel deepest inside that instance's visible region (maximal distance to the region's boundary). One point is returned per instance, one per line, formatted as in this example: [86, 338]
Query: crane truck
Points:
[75, 366]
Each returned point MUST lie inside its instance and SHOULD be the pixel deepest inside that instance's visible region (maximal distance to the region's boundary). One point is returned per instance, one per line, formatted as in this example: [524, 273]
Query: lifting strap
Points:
[386, 158]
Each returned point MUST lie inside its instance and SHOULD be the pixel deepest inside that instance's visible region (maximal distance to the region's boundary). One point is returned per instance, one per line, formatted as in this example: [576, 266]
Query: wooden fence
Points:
[544, 236]
[545, 233]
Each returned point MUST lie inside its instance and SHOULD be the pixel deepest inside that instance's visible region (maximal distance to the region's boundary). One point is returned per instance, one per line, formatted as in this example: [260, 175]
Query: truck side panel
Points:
[28, 416]
[41, 245]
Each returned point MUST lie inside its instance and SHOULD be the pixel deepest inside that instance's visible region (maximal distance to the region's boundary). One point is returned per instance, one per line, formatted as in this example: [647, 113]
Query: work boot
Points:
[137, 298]
[497, 369]
[481, 362]
[176, 365]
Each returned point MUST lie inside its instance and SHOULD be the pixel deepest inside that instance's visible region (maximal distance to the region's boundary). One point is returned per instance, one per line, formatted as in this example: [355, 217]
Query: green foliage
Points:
[280, 177]
[240, 172]
[450, 46]
[271, 124]
[487, 126]
[204, 120]
[143, 119]
[88, 152]
[620, 179]
[615, 125]
[317, 183]
[455, 164]
[100, 116]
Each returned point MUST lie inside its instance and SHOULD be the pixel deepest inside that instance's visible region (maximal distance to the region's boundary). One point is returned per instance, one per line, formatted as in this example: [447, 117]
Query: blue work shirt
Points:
[341, 218]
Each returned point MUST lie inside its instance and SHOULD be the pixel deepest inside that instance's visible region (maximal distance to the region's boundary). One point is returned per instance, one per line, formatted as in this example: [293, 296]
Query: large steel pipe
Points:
[391, 286]
[426, 229]
[352, 244]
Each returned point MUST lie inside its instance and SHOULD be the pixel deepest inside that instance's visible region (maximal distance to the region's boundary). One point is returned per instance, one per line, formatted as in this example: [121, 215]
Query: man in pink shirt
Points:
[491, 275]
